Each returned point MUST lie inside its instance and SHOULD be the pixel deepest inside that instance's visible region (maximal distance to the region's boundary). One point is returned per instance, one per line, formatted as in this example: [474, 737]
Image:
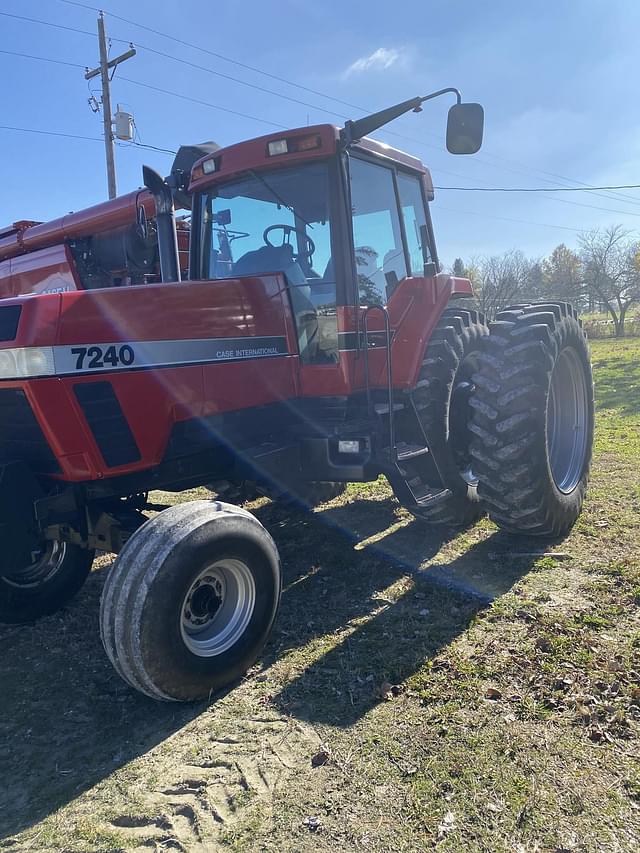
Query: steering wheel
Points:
[305, 255]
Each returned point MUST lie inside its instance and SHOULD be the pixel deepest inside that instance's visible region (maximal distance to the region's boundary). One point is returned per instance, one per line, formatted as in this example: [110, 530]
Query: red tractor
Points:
[291, 331]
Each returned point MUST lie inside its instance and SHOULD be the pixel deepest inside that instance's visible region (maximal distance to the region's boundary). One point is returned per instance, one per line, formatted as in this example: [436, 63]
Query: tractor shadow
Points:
[67, 721]
[346, 600]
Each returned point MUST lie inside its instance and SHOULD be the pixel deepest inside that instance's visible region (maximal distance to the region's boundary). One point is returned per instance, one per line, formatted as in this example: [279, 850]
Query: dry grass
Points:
[497, 709]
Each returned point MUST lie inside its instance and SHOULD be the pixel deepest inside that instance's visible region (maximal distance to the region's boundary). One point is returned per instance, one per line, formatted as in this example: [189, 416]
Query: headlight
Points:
[35, 361]
[26, 362]
[8, 366]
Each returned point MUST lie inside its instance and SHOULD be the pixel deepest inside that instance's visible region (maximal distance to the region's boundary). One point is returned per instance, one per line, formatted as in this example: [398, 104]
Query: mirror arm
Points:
[442, 92]
[353, 131]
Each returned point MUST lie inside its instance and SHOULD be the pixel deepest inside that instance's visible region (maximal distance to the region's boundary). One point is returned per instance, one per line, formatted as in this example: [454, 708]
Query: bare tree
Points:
[611, 262]
[503, 280]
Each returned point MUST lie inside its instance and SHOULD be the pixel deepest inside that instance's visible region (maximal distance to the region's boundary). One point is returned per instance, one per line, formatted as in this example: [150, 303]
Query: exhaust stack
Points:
[165, 223]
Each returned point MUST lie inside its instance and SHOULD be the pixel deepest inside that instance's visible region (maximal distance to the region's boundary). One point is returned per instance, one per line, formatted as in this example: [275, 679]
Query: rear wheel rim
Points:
[217, 608]
[46, 564]
[567, 421]
[459, 419]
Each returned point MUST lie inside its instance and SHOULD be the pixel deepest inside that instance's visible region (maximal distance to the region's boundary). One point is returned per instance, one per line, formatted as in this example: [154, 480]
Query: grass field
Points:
[459, 691]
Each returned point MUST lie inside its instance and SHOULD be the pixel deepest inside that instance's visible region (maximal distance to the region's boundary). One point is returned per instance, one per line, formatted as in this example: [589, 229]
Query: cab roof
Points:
[302, 144]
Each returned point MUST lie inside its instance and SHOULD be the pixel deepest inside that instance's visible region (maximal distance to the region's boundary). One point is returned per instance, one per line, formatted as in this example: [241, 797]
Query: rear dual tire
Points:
[441, 398]
[190, 600]
[533, 419]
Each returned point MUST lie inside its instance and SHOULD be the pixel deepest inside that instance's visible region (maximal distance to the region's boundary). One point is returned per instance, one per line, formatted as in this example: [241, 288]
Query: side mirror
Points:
[465, 125]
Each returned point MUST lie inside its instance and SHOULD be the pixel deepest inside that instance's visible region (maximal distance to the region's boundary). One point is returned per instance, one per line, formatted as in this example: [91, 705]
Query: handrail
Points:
[367, 381]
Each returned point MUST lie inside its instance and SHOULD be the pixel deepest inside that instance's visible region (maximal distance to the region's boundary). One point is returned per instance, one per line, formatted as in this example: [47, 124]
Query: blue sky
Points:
[558, 82]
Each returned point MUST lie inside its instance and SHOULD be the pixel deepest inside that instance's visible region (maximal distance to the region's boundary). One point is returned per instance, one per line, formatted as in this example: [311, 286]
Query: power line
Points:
[240, 82]
[216, 73]
[618, 197]
[150, 147]
[274, 124]
[584, 189]
[508, 219]
[531, 170]
[216, 55]
[42, 58]
[49, 24]
[202, 103]
[140, 145]
[149, 86]
[546, 190]
[83, 138]
[50, 133]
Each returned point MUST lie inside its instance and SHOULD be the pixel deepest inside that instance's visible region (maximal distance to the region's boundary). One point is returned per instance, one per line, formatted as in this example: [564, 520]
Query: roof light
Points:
[278, 146]
[307, 143]
[209, 166]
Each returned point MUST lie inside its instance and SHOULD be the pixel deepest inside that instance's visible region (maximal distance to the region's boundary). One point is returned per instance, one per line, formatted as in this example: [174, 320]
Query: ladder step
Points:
[383, 408]
[406, 451]
[423, 383]
[410, 451]
[431, 498]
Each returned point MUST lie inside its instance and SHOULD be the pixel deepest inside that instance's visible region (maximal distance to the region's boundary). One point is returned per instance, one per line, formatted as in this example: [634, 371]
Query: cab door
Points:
[394, 268]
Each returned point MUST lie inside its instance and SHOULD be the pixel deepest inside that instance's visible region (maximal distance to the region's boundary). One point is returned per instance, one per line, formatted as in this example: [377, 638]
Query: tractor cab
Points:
[345, 229]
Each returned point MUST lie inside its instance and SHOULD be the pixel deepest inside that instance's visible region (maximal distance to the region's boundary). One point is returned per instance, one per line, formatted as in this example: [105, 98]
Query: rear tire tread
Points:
[509, 405]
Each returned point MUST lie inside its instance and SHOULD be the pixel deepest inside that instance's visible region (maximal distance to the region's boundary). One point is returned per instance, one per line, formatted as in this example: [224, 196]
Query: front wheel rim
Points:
[567, 427]
[217, 607]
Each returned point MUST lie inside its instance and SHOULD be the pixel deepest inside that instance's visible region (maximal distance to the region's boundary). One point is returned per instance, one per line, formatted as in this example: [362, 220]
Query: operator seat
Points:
[268, 259]
[394, 269]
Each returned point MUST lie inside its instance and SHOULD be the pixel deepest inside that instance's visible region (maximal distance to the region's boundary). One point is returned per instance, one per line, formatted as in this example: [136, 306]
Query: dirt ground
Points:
[458, 690]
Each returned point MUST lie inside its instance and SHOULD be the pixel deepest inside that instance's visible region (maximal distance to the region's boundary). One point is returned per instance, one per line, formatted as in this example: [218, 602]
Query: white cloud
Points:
[380, 59]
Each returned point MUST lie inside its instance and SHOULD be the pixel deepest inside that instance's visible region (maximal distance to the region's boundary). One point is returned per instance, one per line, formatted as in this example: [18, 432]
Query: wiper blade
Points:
[277, 196]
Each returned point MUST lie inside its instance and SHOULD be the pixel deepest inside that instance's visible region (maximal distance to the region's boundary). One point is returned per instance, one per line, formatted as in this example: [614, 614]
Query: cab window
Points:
[415, 220]
[377, 235]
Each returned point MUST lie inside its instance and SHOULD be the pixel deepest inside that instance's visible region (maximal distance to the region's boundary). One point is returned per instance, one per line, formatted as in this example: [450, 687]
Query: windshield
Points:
[278, 221]
[269, 222]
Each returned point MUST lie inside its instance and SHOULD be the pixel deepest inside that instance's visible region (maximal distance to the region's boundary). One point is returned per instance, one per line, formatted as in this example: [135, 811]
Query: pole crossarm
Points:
[89, 74]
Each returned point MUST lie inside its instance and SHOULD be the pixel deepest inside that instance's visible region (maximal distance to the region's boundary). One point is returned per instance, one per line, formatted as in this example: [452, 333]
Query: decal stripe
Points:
[88, 358]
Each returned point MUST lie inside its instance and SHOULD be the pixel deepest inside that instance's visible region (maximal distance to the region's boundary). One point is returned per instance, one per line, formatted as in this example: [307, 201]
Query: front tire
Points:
[533, 419]
[190, 600]
[54, 577]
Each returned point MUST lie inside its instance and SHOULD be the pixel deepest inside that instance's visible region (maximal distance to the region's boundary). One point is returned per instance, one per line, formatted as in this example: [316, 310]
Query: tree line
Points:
[602, 275]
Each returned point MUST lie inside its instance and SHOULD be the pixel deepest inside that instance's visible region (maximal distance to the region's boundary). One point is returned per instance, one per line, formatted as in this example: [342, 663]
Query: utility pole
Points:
[107, 120]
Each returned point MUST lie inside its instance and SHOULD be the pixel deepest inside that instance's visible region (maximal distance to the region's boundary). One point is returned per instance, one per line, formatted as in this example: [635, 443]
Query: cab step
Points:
[383, 408]
[413, 493]
[405, 450]
[429, 497]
